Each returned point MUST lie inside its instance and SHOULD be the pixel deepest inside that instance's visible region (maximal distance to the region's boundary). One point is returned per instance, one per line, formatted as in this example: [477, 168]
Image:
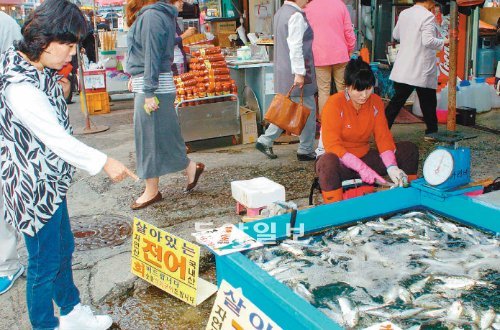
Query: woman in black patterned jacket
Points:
[38, 159]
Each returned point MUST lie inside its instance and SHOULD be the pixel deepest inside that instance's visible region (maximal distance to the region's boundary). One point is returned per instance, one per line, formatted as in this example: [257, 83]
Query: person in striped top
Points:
[160, 148]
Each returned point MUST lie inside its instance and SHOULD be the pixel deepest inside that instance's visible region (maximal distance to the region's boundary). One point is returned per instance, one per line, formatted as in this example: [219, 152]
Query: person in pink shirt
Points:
[334, 40]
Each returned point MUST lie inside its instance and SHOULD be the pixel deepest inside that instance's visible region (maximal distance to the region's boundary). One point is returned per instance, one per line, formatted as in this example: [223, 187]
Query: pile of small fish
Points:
[415, 270]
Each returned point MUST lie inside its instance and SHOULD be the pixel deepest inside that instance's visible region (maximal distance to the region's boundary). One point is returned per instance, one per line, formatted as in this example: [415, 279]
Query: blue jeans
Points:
[50, 276]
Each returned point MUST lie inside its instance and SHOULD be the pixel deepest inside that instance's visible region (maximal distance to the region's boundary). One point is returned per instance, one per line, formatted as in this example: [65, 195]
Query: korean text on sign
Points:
[165, 260]
[232, 310]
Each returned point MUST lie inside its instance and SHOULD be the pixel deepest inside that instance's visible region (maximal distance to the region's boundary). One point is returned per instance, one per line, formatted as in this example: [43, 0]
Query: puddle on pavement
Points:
[152, 308]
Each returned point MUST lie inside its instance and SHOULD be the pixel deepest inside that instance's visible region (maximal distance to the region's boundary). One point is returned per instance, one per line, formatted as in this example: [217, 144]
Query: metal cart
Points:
[209, 120]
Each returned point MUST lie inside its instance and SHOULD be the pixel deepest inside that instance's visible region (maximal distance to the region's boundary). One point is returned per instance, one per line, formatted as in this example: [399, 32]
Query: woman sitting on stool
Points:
[349, 119]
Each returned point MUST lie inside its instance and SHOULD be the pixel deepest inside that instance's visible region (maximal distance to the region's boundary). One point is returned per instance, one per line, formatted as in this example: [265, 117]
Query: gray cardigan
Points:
[283, 76]
[151, 44]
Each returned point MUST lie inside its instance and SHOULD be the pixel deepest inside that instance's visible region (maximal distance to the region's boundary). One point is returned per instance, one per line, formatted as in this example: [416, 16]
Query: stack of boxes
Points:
[222, 30]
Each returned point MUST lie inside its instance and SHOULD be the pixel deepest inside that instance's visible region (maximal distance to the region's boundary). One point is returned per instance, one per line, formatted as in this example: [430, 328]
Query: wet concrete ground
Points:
[101, 212]
[148, 307]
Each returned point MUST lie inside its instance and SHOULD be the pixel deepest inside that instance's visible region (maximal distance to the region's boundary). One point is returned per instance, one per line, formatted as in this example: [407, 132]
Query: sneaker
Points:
[6, 282]
[82, 318]
[268, 151]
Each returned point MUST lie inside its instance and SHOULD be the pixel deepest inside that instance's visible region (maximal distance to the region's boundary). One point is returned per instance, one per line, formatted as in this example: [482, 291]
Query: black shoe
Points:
[306, 157]
[430, 137]
[268, 151]
[200, 167]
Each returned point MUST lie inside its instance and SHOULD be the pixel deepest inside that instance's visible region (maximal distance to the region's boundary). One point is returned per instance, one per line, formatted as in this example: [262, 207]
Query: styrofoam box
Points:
[257, 192]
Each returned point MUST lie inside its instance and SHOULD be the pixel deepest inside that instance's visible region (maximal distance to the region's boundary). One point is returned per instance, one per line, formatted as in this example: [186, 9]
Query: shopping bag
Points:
[288, 115]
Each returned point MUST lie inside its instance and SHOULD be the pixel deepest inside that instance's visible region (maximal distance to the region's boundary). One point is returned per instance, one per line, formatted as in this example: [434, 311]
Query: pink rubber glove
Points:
[365, 172]
[397, 175]
[389, 158]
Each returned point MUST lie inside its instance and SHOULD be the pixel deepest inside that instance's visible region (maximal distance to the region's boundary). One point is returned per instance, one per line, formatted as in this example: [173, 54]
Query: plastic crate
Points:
[97, 103]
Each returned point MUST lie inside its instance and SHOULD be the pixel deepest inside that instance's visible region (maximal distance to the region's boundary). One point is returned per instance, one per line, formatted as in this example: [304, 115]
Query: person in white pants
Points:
[10, 267]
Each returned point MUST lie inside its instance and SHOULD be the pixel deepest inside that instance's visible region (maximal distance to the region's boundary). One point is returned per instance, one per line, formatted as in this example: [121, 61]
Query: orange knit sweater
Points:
[344, 129]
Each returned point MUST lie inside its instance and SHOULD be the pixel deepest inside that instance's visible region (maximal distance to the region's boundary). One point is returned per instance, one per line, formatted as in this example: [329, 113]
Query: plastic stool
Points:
[251, 212]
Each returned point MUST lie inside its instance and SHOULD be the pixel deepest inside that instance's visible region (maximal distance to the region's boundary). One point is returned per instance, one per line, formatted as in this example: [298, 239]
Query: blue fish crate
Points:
[289, 310]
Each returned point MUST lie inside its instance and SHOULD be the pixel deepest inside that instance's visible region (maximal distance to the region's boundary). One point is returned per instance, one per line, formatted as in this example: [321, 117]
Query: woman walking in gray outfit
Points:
[294, 65]
[160, 148]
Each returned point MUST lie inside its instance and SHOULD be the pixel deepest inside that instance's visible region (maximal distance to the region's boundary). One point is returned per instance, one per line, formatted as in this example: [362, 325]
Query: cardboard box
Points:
[223, 26]
[489, 15]
[248, 125]
[222, 39]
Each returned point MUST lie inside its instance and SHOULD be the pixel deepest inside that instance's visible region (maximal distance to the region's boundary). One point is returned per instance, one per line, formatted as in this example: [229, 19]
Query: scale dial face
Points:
[438, 167]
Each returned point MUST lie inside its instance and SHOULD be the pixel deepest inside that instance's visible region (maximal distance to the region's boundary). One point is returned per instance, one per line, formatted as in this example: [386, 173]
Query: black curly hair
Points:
[359, 75]
[54, 20]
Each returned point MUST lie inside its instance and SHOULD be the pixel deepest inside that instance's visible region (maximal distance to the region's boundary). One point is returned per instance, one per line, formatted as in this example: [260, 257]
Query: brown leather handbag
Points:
[288, 115]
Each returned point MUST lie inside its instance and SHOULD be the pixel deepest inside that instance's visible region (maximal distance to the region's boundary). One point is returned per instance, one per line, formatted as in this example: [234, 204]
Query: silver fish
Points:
[424, 242]
[459, 282]
[419, 285]
[404, 232]
[350, 315]
[271, 263]
[278, 270]
[433, 313]
[405, 295]
[395, 314]
[455, 311]
[487, 319]
[292, 249]
[407, 313]
[414, 214]
[448, 227]
[303, 292]
[429, 301]
[473, 315]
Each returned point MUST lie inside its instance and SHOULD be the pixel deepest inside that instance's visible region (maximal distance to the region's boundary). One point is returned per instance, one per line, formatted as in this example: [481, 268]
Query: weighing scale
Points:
[447, 167]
